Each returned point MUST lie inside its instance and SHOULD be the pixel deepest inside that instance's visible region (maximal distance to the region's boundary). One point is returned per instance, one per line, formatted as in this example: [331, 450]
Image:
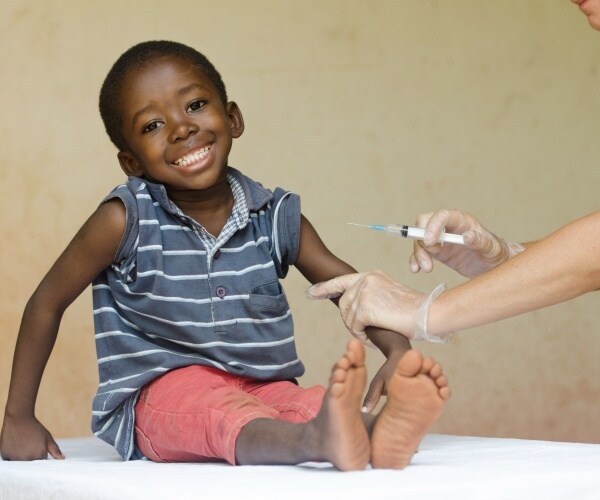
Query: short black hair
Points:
[139, 55]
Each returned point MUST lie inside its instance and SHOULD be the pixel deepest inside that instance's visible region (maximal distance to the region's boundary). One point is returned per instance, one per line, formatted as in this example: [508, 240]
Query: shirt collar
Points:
[252, 194]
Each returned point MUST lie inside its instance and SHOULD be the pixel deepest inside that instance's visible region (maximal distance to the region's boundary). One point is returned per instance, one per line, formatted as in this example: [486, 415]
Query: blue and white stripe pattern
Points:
[178, 296]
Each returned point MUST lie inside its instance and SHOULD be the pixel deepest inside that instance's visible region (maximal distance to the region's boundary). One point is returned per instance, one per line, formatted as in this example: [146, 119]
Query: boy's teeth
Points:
[189, 159]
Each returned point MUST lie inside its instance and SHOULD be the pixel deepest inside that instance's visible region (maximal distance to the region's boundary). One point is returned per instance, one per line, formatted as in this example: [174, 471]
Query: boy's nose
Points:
[183, 129]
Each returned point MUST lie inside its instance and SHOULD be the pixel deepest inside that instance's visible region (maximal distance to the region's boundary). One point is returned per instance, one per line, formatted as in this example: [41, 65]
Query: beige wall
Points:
[372, 111]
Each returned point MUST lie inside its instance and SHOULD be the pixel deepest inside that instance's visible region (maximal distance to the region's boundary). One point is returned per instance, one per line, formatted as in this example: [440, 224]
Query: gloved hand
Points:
[375, 299]
[483, 250]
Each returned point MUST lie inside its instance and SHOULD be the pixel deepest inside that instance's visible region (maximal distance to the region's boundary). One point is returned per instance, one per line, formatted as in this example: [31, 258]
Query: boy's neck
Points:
[209, 207]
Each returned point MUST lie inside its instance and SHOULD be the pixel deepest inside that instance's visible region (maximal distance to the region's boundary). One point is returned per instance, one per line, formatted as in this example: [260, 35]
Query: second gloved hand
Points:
[482, 251]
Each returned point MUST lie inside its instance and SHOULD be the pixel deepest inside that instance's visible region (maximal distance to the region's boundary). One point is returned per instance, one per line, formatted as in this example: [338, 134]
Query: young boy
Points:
[194, 335]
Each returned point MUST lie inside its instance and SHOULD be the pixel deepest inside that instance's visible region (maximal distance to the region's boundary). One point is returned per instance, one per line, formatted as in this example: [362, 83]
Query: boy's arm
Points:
[92, 249]
[317, 263]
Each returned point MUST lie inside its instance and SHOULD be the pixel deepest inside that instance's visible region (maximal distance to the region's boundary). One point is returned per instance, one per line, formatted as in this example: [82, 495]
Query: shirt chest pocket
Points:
[268, 298]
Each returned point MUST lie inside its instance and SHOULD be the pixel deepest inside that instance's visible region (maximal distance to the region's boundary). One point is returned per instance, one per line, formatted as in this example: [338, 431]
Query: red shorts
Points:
[194, 414]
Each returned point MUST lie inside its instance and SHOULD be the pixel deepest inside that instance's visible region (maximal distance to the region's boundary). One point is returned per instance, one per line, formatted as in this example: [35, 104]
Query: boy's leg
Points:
[416, 395]
[194, 414]
[336, 434]
[295, 404]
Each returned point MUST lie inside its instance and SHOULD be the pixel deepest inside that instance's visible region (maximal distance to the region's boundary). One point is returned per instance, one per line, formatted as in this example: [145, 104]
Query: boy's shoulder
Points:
[130, 187]
[137, 188]
[257, 196]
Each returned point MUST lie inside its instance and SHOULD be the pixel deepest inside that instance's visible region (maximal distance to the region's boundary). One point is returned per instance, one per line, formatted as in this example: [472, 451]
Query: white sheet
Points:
[445, 467]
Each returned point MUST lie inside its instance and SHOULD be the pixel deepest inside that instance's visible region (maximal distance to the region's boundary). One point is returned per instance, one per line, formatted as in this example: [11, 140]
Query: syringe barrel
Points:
[418, 233]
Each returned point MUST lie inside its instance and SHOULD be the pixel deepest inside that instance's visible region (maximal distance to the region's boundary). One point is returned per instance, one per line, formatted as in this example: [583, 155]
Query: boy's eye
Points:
[151, 127]
[196, 105]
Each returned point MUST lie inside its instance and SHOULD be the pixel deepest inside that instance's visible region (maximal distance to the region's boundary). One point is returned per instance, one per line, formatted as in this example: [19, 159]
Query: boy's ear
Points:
[129, 164]
[236, 120]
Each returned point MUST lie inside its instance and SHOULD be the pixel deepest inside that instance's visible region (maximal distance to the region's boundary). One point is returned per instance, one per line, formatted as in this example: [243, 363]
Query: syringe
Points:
[418, 233]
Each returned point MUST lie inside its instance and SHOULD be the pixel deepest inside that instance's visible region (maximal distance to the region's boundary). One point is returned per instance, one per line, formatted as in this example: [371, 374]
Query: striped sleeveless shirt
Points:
[176, 296]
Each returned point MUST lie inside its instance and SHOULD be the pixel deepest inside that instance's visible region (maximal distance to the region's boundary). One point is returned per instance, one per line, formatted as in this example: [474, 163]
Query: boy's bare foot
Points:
[341, 429]
[417, 393]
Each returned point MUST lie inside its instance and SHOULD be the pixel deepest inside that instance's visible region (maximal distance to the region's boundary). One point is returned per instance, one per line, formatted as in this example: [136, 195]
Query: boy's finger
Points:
[373, 395]
[54, 451]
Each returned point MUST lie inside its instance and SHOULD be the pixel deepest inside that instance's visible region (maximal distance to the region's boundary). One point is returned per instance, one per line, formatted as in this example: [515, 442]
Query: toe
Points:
[436, 371]
[410, 364]
[427, 365]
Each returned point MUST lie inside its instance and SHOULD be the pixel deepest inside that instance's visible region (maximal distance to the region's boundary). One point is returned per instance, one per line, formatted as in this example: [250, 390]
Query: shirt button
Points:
[217, 254]
[221, 292]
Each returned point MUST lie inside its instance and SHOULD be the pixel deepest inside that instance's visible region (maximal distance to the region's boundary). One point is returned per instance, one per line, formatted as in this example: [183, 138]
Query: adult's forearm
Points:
[562, 266]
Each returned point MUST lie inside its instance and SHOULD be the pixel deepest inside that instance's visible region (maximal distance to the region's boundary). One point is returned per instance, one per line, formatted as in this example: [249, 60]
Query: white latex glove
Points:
[375, 299]
[482, 251]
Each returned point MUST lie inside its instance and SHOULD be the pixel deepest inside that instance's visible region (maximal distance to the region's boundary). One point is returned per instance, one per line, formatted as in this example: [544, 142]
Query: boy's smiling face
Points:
[177, 130]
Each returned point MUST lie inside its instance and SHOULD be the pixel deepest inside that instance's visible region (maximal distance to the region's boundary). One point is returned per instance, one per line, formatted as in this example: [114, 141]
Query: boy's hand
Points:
[393, 346]
[377, 388]
[27, 439]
